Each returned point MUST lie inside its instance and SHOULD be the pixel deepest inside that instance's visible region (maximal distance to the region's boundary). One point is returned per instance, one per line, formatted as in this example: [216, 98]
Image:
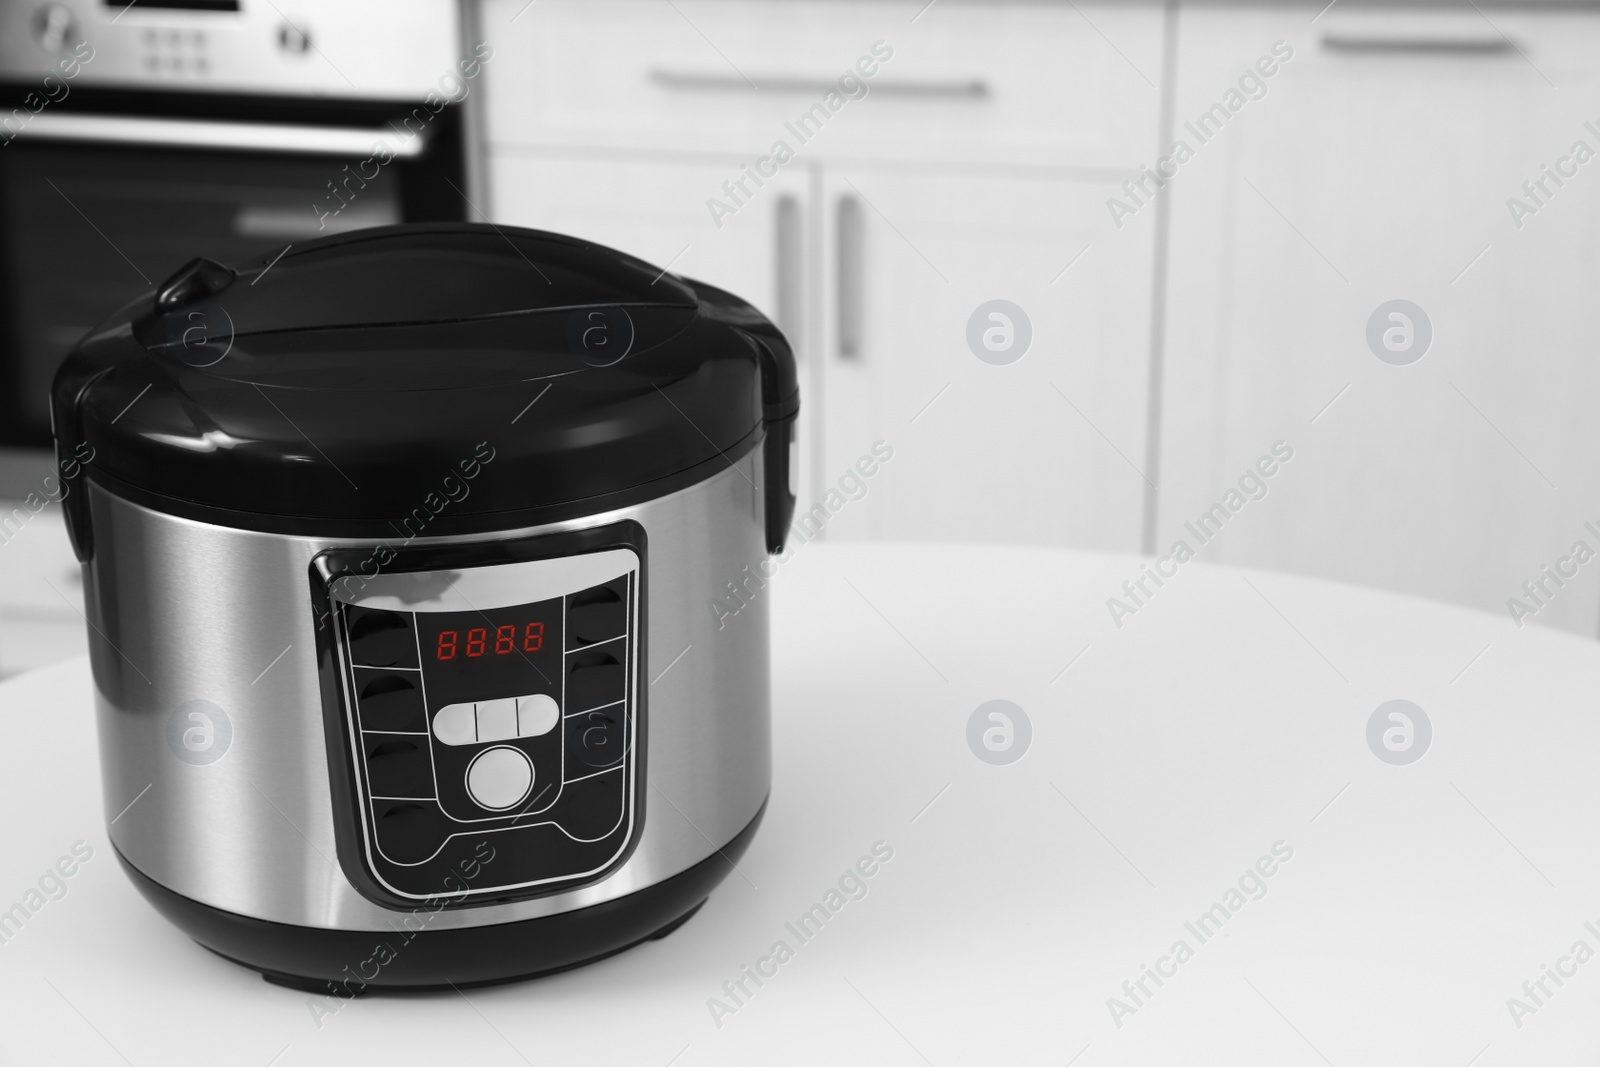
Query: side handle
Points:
[779, 471]
[780, 403]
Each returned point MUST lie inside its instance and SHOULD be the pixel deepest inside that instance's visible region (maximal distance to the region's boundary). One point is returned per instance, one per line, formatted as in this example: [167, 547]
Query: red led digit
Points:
[447, 644]
[505, 640]
[475, 641]
[533, 637]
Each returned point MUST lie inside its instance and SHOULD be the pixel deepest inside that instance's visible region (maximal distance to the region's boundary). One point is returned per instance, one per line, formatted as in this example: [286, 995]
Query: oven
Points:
[137, 135]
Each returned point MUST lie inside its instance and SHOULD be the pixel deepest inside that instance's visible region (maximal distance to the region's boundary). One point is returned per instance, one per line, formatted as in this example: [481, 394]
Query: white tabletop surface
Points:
[1226, 716]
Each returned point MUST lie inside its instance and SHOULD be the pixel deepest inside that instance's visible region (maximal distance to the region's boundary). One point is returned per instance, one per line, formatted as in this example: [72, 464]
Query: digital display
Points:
[473, 655]
[502, 640]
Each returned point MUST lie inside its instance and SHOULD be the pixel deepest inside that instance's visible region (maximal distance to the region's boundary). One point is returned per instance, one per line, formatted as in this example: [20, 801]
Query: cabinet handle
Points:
[788, 266]
[850, 277]
[1411, 46]
[970, 89]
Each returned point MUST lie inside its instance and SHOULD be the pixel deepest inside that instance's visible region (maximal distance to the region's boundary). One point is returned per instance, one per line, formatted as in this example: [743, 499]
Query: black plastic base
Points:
[349, 963]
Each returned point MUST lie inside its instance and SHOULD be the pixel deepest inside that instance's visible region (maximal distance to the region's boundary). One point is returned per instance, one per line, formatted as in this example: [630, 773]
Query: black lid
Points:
[333, 389]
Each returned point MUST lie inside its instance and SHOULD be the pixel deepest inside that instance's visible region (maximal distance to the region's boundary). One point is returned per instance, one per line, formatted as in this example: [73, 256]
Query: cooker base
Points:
[339, 962]
[313, 985]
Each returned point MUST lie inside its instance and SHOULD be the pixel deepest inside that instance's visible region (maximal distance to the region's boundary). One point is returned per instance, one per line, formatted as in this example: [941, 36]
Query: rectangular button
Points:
[381, 638]
[497, 719]
[537, 715]
[398, 765]
[595, 677]
[598, 614]
[390, 700]
[456, 724]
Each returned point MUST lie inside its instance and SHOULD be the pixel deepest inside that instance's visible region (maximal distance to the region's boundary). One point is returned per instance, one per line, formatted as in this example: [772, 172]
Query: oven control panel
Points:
[474, 714]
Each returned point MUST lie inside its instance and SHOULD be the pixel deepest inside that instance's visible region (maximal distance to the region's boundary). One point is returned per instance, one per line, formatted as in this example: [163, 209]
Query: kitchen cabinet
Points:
[41, 589]
[976, 168]
[1376, 167]
[1043, 449]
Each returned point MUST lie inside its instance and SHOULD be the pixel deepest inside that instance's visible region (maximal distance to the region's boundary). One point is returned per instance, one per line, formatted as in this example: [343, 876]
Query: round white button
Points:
[500, 778]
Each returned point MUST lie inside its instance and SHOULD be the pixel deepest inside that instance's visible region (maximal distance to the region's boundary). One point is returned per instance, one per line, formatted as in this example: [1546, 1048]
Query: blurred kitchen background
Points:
[1160, 337]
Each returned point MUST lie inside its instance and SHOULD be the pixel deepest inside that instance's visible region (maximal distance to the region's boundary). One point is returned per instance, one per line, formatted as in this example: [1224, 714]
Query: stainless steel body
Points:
[183, 611]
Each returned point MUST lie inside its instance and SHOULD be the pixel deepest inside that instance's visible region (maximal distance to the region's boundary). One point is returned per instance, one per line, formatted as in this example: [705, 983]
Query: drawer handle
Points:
[973, 89]
[1413, 46]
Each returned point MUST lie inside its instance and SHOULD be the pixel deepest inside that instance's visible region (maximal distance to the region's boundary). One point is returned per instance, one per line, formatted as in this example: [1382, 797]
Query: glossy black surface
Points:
[432, 379]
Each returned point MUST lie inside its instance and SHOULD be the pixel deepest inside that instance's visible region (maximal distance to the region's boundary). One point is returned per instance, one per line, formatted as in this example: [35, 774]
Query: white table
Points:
[1228, 714]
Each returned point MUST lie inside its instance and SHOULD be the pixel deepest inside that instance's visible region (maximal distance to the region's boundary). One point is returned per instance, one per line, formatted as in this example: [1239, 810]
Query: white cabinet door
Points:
[1042, 450]
[1377, 166]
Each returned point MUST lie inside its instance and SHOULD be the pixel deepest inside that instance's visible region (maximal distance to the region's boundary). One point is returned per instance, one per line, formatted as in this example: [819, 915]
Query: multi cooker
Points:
[401, 555]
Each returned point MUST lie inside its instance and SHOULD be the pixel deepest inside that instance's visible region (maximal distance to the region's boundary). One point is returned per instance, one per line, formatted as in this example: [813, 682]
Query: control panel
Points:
[471, 713]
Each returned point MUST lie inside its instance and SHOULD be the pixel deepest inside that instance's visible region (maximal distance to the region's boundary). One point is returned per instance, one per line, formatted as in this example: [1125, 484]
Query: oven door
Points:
[104, 200]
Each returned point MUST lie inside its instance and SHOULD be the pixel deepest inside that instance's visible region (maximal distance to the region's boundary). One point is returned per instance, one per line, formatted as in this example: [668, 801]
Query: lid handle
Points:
[200, 277]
